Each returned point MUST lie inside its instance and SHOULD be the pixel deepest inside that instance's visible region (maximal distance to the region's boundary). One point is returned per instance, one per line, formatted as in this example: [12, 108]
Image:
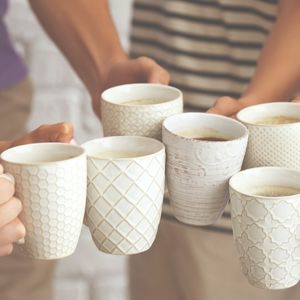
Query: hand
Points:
[142, 69]
[60, 132]
[227, 106]
[11, 228]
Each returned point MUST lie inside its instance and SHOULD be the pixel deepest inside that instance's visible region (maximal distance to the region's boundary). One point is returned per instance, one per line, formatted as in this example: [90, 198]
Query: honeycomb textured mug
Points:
[51, 183]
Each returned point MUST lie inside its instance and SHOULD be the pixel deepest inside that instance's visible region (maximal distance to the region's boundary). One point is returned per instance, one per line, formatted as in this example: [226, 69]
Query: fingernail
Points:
[20, 241]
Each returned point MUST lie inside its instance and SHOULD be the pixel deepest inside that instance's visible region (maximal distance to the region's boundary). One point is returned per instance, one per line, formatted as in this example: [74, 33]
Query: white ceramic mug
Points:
[272, 145]
[126, 177]
[266, 229]
[150, 105]
[51, 184]
[198, 171]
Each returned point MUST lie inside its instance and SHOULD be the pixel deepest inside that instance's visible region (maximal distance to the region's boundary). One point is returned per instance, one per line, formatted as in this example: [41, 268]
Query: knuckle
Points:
[19, 230]
[144, 60]
[17, 204]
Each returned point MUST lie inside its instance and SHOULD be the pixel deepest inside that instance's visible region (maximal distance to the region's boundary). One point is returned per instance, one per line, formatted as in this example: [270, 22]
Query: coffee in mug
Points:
[274, 191]
[204, 134]
[145, 101]
[277, 120]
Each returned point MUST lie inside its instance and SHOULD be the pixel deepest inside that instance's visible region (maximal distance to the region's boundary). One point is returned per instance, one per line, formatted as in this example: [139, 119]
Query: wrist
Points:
[98, 79]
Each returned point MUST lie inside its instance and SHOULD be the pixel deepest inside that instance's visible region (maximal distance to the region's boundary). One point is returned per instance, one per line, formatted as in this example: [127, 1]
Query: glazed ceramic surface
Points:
[198, 171]
[272, 145]
[125, 194]
[266, 229]
[142, 120]
[51, 183]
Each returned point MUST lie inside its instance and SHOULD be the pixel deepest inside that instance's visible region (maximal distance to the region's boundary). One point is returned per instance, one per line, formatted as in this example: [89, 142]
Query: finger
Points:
[150, 71]
[61, 132]
[296, 100]
[1, 169]
[158, 75]
[225, 106]
[6, 249]
[9, 211]
[7, 190]
[12, 232]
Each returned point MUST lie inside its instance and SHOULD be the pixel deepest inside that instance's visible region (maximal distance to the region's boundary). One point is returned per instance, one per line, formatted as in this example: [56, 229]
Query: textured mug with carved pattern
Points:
[265, 212]
[126, 177]
[51, 183]
[198, 170]
[274, 143]
[138, 109]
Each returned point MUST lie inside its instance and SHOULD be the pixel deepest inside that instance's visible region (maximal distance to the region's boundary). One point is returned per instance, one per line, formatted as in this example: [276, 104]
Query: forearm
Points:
[277, 77]
[84, 32]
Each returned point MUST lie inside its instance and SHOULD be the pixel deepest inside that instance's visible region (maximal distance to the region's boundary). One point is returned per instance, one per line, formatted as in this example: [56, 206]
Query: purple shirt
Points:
[12, 69]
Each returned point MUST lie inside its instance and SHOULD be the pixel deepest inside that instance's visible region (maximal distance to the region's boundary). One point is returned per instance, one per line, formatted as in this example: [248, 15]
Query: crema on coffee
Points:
[275, 191]
[277, 120]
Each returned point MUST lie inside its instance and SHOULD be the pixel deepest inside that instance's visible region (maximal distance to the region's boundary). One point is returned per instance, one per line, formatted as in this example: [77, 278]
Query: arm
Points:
[84, 32]
[277, 76]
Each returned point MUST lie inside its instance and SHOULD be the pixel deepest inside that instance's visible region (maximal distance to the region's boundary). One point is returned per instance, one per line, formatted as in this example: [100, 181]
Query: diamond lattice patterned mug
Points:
[126, 177]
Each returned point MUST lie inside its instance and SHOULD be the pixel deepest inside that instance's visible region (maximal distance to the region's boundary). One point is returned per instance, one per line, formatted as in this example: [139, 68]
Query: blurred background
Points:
[60, 96]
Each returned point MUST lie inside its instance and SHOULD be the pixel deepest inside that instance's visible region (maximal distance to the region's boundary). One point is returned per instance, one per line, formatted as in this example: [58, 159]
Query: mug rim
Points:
[154, 85]
[152, 140]
[78, 147]
[245, 135]
[253, 107]
[279, 169]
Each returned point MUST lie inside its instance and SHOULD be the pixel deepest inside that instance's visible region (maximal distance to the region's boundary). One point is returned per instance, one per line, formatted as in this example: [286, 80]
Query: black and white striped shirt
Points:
[210, 47]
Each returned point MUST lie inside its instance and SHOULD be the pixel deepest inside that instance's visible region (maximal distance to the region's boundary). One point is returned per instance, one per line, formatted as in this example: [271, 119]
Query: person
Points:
[224, 55]
[210, 49]
[78, 31]
[11, 228]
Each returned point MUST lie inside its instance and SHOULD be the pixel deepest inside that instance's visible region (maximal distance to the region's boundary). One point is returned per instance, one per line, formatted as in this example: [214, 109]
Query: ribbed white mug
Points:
[198, 170]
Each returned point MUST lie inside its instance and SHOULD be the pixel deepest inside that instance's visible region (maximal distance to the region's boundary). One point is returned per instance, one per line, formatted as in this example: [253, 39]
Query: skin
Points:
[79, 28]
[84, 32]
[94, 50]
[277, 76]
[11, 228]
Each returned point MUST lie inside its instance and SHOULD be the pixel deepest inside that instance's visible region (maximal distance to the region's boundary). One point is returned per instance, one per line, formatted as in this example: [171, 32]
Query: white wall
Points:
[60, 96]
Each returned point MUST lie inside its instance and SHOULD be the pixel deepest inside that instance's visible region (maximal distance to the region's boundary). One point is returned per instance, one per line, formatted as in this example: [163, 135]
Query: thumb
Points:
[226, 106]
[159, 75]
[151, 71]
